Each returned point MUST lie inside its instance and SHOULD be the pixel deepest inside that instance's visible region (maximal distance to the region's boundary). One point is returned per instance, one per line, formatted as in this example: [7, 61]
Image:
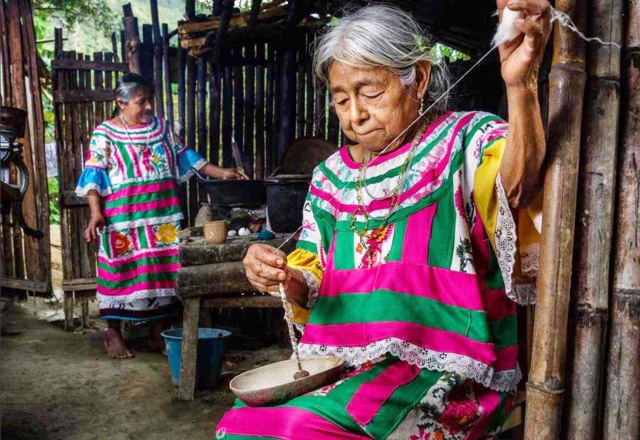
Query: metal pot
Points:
[285, 200]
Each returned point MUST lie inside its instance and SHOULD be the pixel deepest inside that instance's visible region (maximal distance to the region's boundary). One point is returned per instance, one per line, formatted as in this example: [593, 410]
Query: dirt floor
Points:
[60, 385]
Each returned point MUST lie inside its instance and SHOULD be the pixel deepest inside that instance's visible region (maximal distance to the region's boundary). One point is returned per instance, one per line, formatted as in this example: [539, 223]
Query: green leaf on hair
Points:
[420, 42]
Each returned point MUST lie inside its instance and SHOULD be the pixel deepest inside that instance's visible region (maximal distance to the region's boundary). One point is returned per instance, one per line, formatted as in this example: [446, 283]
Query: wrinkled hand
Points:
[266, 268]
[521, 57]
[232, 174]
[97, 222]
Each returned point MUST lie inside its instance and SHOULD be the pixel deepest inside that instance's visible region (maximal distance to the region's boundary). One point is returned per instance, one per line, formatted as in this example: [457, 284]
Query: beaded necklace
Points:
[126, 130]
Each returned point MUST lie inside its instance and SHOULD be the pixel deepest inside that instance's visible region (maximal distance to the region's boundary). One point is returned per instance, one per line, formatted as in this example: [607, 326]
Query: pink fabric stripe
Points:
[361, 334]
[369, 398]
[147, 253]
[123, 276]
[344, 153]
[498, 305]
[480, 243]
[147, 206]
[137, 190]
[447, 286]
[95, 167]
[507, 358]
[146, 285]
[117, 154]
[134, 159]
[283, 422]
[415, 247]
[489, 401]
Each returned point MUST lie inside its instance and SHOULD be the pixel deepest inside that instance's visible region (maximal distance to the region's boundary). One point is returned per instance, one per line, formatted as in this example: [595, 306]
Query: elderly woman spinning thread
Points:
[404, 264]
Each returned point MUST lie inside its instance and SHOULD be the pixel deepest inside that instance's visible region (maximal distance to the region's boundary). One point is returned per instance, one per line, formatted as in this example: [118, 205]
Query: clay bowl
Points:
[274, 384]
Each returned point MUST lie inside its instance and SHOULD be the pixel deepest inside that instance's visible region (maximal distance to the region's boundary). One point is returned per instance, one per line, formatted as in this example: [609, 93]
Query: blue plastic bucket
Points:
[211, 347]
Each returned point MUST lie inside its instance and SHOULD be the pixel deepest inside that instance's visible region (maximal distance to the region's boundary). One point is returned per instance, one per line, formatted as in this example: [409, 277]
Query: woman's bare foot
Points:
[156, 342]
[114, 344]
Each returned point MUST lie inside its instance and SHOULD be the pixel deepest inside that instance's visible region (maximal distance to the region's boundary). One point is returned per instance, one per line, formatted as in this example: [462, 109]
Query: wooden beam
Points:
[79, 284]
[29, 285]
[89, 65]
[83, 95]
[247, 301]
[69, 199]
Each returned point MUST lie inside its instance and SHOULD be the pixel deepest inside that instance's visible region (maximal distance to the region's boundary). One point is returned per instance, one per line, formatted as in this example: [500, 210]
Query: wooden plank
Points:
[132, 39]
[212, 279]
[248, 301]
[182, 61]
[197, 252]
[238, 104]
[310, 92]
[167, 75]
[82, 216]
[260, 103]
[270, 125]
[114, 48]
[28, 285]
[191, 133]
[75, 96]
[69, 199]
[214, 113]
[5, 56]
[108, 85]
[98, 79]
[79, 284]
[268, 11]
[227, 117]
[89, 65]
[157, 59]
[300, 90]
[249, 111]
[190, 319]
[73, 115]
[202, 123]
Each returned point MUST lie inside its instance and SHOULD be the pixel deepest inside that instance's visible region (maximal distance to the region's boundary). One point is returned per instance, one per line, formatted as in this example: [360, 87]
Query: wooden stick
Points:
[270, 163]
[182, 60]
[287, 95]
[114, 47]
[260, 72]
[595, 224]
[191, 131]
[157, 59]
[249, 111]
[227, 117]
[300, 91]
[132, 39]
[6, 57]
[546, 378]
[622, 394]
[214, 113]
[167, 74]
[202, 122]
[309, 81]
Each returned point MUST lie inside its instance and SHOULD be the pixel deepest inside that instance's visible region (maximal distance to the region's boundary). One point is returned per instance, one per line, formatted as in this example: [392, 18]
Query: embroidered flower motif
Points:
[459, 414]
[359, 248]
[422, 435]
[121, 243]
[167, 233]
[438, 435]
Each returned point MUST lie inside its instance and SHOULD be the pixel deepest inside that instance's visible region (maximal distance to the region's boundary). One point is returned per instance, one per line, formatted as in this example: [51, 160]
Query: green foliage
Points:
[70, 12]
[448, 54]
[54, 189]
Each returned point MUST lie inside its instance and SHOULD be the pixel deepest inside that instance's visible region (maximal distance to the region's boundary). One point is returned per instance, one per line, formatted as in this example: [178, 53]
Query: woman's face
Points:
[372, 104]
[139, 109]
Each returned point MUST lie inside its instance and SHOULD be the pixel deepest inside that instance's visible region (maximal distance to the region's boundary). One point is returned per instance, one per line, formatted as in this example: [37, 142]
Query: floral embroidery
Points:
[121, 244]
[166, 234]
[463, 250]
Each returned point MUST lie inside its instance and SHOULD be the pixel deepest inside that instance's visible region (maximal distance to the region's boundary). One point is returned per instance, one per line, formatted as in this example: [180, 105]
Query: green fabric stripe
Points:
[344, 254]
[386, 305]
[111, 127]
[477, 127]
[504, 332]
[403, 400]
[143, 215]
[443, 233]
[141, 198]
[106, 248]
[325, 223]
[307, 246]
[343, 392]
[139, 263]
[246, 437]
[328, 410]
[399, 229]
[139, 182]
[501, 415]
[392, 172]
[142, 238]
[494, 278]
[164, 276]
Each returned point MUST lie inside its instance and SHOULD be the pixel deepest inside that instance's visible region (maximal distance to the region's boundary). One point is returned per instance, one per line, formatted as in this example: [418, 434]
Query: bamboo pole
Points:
[622, 396]
[202, 122]
[546, 379]
[238, 103]
[214, 112]
[227, 116]
[167, 74]
[191, 131]
[260, 73]
[250, 109]
[589, 308]
[157, 59]
[270, 100]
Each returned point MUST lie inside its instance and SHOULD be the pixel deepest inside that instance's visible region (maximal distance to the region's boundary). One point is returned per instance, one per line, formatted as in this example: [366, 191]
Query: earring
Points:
[421, 110]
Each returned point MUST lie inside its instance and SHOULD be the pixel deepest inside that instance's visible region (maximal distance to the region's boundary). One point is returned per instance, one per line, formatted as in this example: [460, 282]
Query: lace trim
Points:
[82, 192]
[529, 256]
[313, 288]
[525, 294]
[198, 166]
[506, 380]
[140, 294]
[143, 222]
[505, 237]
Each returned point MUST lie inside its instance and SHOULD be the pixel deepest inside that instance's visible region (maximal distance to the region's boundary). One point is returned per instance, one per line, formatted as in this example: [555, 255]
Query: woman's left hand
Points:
[521, 57]
[232, 174]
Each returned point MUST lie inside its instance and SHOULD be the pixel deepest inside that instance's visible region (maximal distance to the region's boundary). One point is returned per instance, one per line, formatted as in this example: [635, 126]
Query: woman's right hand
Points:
[265, 267]
[97, 222]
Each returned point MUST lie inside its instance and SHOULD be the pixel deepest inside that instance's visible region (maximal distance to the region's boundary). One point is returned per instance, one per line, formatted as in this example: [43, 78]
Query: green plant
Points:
[54, 190]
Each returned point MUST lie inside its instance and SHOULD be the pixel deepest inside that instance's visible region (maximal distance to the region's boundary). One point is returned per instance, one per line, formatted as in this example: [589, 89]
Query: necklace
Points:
[126, 129]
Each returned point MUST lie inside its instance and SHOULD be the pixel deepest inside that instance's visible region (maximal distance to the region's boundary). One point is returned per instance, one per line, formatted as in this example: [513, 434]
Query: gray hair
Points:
[129, 84]
[384, 36]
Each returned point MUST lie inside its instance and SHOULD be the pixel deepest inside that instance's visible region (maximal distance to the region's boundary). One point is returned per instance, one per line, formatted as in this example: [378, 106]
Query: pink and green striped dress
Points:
[424, 313]
[137, 174]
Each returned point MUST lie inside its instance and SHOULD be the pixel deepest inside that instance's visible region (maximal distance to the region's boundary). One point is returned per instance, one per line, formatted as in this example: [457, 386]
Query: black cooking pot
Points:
[285, 200]
[236, 193]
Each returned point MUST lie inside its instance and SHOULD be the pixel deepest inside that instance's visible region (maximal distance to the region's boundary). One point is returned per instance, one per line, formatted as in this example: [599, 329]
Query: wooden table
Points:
[213, 276]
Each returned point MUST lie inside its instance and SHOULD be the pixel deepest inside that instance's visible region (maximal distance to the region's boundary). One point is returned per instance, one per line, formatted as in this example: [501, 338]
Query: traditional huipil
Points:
[137, 173]
[420, 305]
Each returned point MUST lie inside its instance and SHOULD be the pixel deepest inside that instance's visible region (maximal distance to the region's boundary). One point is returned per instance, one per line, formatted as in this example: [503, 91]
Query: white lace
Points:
[82, 192]
[314, 289]
[505, 239]
[428, 359]
[525, 294]
[143, 222]
[529, 255]
[140, 294]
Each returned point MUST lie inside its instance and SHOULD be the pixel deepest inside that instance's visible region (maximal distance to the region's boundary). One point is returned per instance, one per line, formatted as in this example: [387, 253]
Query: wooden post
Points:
[182, 61]
[287, 95]
[590, 297]
[260, 72]
[546, 379]
[270, 163]
[249, 109]
[191, 131]
[191, 317]
[238, 102]
[157, 59]
[227, 117]
[167, 74]
[214, 113]
[6, 57]
[202, 122]
[114, 47]
[309, 113]
[622, 394]
[132, 38]
[300, 91]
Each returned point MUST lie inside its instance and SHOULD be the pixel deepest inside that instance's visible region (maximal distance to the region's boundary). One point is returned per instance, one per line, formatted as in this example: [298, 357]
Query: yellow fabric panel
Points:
[304, 260]
[486, 199]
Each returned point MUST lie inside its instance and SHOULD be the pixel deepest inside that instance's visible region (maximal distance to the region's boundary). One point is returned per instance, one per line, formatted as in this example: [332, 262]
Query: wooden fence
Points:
[25, 262]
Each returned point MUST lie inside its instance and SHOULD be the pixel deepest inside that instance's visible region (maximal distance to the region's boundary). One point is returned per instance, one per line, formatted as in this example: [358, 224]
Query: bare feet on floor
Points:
[115, 346]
